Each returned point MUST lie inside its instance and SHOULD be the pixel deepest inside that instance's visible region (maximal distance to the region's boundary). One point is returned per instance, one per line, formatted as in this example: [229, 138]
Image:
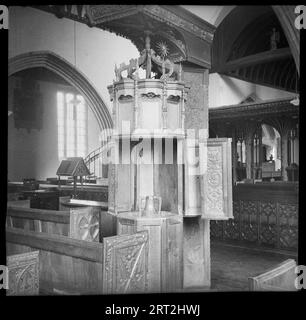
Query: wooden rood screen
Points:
[71, 266]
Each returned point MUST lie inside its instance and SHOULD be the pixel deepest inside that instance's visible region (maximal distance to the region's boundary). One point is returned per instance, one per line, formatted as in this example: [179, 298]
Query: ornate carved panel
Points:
[23, 273]
[265, 223]
[231, 229]
[84, 223]
[125, 263]
[216, 186]
[249, 221]
[288, 225]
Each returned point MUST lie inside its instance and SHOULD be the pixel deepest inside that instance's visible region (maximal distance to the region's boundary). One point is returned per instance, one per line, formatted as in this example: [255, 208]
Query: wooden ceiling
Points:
[242, 49]
[187, 36]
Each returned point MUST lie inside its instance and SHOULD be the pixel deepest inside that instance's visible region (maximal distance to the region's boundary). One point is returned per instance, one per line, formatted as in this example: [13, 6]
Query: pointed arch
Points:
[67, 71]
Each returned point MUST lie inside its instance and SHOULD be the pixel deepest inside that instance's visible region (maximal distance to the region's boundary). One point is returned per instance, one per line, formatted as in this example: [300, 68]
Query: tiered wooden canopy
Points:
[188, 37]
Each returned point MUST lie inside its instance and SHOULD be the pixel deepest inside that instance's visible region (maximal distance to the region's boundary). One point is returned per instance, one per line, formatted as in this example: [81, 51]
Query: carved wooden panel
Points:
[288, 225]
[249, 221]
[267, 223]
[125, 263]
[164, 247]
[216, 182]
[84, 223]
[23, 273]
[270, 224]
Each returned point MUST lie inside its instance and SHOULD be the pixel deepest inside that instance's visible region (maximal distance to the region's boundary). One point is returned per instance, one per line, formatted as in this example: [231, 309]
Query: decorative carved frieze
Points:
[23, 273]
[103, 13]
[165, 15]
[150, 96]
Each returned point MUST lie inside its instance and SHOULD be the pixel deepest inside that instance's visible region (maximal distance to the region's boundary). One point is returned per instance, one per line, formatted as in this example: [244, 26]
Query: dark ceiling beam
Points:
[263, 82]
[254, 59]
[286, 16]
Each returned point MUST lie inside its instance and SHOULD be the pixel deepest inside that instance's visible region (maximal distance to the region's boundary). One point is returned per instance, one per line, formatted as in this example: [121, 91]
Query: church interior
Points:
[217, 85]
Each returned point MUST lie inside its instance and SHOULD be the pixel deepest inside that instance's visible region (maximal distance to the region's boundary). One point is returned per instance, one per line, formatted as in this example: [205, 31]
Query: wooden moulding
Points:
[39, 214]
[85, 250]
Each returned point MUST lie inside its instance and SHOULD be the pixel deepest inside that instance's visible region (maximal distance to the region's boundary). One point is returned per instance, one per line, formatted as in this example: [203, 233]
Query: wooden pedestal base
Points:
[165, 247]
[196, 249]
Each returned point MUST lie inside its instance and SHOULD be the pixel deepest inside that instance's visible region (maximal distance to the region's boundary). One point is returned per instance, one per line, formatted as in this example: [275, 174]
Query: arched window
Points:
[72, 125]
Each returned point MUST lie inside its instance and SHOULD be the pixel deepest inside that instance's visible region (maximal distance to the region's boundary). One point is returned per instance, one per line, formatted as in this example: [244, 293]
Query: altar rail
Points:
[265, 216]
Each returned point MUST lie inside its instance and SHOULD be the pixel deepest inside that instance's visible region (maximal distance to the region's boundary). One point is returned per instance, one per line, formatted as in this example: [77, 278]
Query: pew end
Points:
[279, 278]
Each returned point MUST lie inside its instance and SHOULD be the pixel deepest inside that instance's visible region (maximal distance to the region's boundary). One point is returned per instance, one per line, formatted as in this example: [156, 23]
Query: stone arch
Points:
[66, 70]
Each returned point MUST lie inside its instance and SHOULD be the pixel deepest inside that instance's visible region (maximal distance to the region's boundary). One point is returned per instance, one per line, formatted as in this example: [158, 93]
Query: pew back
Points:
[40, 220]
[66, 266]
[72, 266]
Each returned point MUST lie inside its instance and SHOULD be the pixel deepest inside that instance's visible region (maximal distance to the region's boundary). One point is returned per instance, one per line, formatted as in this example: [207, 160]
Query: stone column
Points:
[196, 233]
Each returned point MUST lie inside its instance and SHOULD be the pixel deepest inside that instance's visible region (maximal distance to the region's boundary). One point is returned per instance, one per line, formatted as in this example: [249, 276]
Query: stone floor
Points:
[231, 266]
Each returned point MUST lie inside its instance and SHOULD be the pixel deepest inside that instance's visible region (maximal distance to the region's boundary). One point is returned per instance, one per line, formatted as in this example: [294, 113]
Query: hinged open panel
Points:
[216, 182]
[208, 179]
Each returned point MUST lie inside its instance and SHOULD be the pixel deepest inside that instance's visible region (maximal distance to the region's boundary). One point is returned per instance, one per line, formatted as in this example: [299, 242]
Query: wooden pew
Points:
[279, 278]
[71, 266]
[19, 203]
[48, 221]
[64, 222]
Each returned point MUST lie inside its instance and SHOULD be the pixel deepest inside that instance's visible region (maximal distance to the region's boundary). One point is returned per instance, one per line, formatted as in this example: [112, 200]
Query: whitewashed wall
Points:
[97, 51]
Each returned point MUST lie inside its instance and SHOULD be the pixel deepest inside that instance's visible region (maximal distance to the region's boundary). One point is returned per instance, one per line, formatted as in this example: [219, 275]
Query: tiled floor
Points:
[231, 266]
